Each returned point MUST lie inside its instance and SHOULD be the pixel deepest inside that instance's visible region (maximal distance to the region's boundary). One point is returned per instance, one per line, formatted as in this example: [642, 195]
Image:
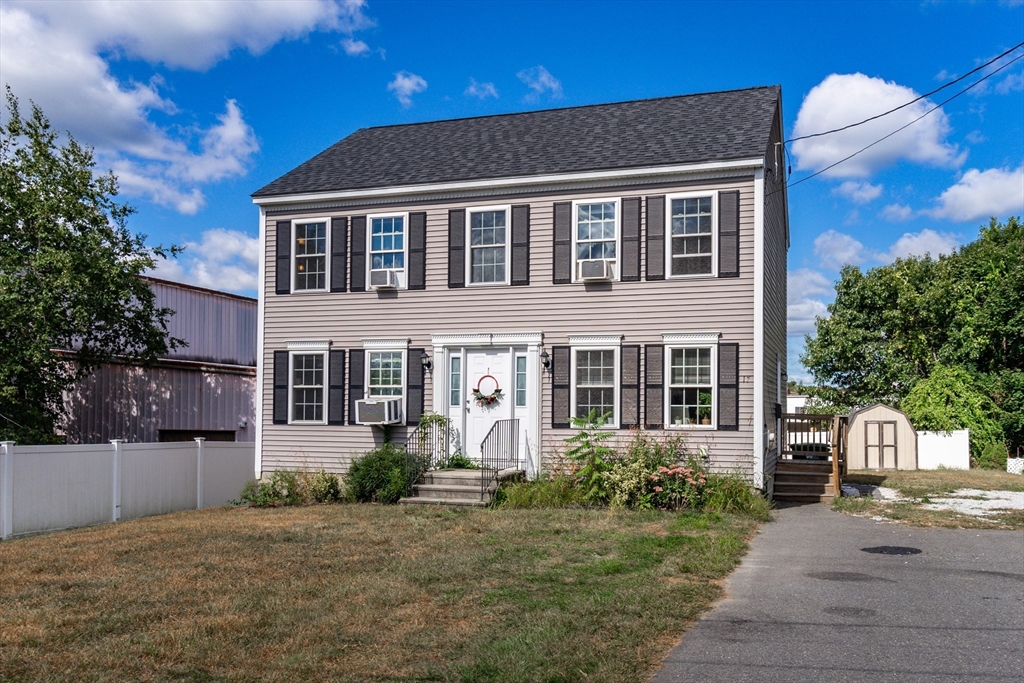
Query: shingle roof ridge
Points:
[573, 107]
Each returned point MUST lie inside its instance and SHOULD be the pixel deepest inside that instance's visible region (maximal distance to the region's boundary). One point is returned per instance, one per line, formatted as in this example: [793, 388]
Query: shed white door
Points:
[489, 370]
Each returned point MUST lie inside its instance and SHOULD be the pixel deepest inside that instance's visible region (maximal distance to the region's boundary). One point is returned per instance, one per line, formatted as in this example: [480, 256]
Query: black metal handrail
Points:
[498, 451]
[429, 447]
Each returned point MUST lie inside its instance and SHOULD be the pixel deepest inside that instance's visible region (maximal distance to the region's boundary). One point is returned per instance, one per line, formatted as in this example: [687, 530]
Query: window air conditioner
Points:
[595, 270]
[383, 279]
[381, 411]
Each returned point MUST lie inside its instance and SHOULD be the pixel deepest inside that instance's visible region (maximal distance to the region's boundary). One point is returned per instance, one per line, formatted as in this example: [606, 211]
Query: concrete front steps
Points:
[457, 488]
[804, 481]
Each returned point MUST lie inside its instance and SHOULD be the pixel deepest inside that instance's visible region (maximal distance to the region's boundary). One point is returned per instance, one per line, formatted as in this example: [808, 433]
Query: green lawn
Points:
[362, 592]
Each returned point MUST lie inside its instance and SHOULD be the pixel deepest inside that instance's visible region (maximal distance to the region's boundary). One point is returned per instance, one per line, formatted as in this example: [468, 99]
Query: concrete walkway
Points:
[809, 604]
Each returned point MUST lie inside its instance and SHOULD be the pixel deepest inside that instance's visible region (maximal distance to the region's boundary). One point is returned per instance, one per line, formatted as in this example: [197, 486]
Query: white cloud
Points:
[981, 194]
[1012, 83]
[975, 137]
[897, 212]
[843, 99]
[354, 48]
[836, 249]
[224, 259]
[540, 81]
[481, 90]
[859, 193]
[920, 243]
[804, 294]
[405, 85]
[56, 54]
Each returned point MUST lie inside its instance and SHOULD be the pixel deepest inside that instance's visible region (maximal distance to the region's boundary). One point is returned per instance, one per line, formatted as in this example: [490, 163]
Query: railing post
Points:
[836, 486]
[199, 472]
[115, 506]
[6, 489]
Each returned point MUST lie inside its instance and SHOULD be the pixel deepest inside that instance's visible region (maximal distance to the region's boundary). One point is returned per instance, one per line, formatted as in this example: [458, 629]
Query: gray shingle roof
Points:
[718, 126]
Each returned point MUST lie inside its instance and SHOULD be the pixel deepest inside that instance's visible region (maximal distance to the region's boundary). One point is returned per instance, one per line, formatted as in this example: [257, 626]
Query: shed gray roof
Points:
[720, 126]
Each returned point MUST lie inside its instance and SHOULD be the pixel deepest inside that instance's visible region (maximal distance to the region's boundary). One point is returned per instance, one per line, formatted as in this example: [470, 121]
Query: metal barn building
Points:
[207, 388]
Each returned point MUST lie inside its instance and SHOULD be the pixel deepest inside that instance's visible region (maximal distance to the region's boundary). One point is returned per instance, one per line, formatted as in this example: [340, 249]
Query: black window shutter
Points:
[562, 258]
[729, 234]
[521, 244]
[561, 390]
[630, 386]
[357, 273]
[456, 248]
[355, 382]
[629, 263]
[656, 238]
[414, 387]
[280, 387]
[418, 250]
[729, 387]
[283, 256]
[654, 386]
[339, 254]
[336, 387]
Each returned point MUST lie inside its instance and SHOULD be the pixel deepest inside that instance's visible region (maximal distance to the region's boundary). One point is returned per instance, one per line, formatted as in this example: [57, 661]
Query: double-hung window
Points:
[692, 235]
[388, 247]
[596, 238]
[309, 264]
[385, 374]
[488, 245]
[595, 386]
[692, 367]
[307, 387]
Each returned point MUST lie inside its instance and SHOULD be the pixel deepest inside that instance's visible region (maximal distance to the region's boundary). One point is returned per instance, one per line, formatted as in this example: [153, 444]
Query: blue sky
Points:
[196, 105]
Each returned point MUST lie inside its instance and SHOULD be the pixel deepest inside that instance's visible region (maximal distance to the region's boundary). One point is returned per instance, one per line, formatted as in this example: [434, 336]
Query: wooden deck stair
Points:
[804, 481]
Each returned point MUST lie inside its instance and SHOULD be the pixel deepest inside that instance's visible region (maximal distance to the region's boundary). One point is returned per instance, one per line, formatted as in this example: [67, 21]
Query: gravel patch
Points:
[978, 503]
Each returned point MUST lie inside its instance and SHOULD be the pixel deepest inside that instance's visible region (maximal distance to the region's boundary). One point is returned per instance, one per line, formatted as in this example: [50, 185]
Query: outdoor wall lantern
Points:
[425, 361]
[545, 359]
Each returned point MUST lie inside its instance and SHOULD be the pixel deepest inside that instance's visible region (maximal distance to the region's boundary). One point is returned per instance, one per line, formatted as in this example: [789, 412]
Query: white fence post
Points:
[115, 512]
[199, 472]
[6, 489]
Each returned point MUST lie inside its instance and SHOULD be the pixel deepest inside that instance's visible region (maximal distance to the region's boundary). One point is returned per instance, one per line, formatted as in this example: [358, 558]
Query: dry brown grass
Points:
[359, 592]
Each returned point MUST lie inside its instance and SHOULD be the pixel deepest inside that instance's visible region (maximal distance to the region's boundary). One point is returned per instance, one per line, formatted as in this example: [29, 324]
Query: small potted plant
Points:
[704, 407]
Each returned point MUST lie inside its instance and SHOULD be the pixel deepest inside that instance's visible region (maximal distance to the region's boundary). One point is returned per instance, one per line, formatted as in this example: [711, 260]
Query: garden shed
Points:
[880, 438]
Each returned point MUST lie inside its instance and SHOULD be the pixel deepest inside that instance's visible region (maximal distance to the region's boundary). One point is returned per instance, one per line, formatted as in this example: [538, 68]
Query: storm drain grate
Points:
[892, 550]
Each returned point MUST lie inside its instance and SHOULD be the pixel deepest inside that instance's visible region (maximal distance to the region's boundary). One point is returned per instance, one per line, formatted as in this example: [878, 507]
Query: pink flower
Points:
[658, 489]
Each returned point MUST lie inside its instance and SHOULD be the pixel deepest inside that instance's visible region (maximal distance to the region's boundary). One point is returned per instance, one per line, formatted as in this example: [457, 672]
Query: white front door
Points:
[487, 370]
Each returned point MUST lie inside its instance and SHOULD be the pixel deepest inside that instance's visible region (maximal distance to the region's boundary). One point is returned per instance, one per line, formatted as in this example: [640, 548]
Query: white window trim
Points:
[695, 340]
[714, 233]
[507, 208]
[306, 349]
[617, 201]
[597, 343]
[379, 345]
[403, 274]
[327, 255]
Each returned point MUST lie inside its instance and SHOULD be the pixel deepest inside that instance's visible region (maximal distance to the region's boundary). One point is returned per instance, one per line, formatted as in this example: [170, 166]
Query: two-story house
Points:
[628, 258]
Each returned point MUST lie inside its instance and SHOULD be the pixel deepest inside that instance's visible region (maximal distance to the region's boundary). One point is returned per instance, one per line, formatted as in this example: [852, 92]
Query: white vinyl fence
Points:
[951, 450]
[45, 488]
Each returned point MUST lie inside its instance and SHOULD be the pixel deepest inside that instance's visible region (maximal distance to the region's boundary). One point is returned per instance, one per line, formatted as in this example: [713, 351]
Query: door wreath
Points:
[483, 400]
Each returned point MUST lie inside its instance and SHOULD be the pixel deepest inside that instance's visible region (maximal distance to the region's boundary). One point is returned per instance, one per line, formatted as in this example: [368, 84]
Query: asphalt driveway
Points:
[822, 597]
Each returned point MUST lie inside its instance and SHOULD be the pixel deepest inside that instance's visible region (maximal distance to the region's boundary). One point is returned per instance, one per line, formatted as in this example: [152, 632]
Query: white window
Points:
[596, 236]
[455, 381]
[488, 241]
[691, 362]
[385, 378]
[307, 387]
[309, 255]
[388, 245]
[520, 381]
[691, 228]
[595, 376]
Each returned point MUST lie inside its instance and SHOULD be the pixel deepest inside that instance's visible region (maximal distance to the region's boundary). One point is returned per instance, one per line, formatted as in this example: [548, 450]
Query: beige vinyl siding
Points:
[640, 311]
[776, 234]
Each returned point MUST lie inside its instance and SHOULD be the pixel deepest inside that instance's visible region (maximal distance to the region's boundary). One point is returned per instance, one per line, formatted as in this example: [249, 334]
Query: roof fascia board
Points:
[520, 184]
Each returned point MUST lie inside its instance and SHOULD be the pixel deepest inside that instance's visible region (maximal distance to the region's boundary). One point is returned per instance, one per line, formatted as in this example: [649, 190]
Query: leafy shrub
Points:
[590, 455]
[324, 487]
[731, 493]
[284, 487]
[379, 476]
[554, 492]
[993, 457]
[457, 461]
[675, 488]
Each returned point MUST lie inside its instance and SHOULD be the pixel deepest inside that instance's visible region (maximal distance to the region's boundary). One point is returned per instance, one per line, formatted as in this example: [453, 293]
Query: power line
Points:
[938, 106]
[907, 104]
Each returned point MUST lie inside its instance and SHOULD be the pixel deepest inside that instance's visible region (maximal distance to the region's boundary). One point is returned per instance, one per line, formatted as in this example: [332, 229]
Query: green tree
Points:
[68, 276]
